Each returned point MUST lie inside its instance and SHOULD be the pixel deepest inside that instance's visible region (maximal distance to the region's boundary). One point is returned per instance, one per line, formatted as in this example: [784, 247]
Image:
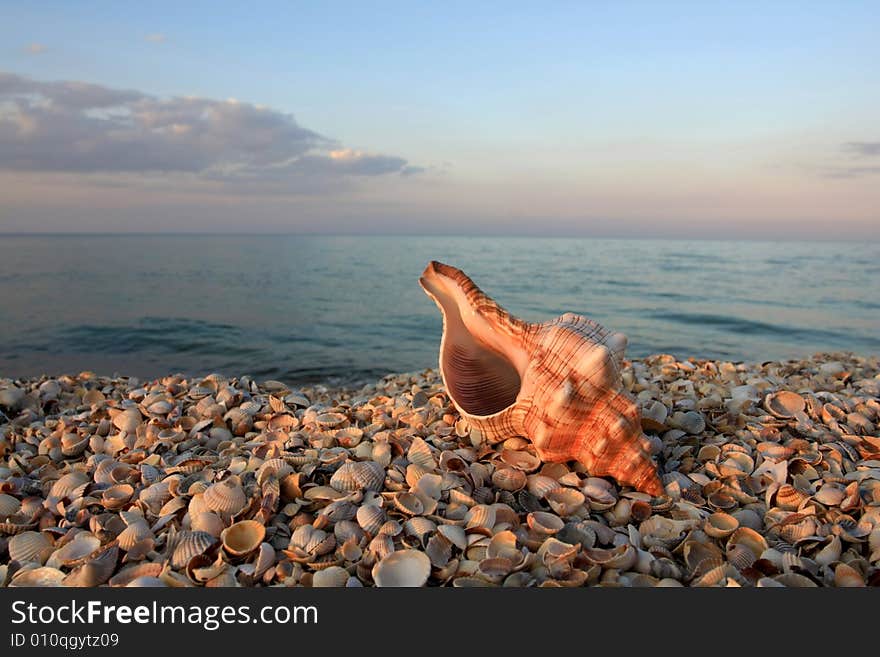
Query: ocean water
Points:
[350, 309]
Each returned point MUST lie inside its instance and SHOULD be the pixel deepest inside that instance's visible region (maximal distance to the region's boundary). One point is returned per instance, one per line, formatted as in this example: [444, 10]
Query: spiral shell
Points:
[558, 383]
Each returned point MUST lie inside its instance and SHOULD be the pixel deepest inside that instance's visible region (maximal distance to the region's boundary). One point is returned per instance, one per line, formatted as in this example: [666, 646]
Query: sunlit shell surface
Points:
[557, 383]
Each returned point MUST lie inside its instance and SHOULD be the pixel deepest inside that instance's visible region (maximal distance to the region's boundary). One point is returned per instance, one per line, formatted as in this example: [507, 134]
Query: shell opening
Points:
[479, 378]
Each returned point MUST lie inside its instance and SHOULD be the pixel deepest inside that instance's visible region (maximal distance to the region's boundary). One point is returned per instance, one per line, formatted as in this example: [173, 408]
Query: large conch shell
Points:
[556, 383]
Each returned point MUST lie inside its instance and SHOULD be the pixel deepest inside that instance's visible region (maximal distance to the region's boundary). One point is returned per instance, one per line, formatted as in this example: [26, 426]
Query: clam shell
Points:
[73, 551]
[242, 537]
[69, 486]
[404, 568]
[358, 475]
[209, 522]
[455, 534]
[544, 523]
[509, 479]
[117, 496]
[371, 518]
[784, 404]
[226, 497]
[521, 460]
[748, 538]
[848, 577]
[130, 573]
[565, 501]
[334, 577]
[189, 544]
[720, 525]
[9, 505]
[480, 515]
[128, 420]
[37, 577]
[420, 453]
[94, 571]
[409, 504]
[133, 534]
[30, 546]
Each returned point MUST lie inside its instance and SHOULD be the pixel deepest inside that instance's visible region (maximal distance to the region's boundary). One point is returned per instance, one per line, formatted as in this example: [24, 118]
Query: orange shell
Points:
[557, 383]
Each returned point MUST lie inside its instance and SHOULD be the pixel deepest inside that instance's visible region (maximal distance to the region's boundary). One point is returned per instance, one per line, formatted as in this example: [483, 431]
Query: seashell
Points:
[69, 486]
[545, 523]
[330, 420]
[95, 571]
[790, 498]
[37, 577]
[73, 444]
[131, 573]
[829, 553]
[847, 576]
[134, 533]
[371, 518]
[720, 525]
[509, 479]
[409, 504]
[419, 527]
[480, 515]
[358, 475]
[654, 416]
[792, 580]
[404, 568]
[30, 546]
[82, 545]
[9, 505]
[748, 538]
[188, 545]
[520, 460]
[420, 453]
[539, 485]
[503, 545]
[565, 501]
[439, 550]
[207, 521]
[332, 577]
[128, 420]
[557, 383]
[784, 404]
[242, 538]
[117, 496]
[622, 557]
[455, 534]
[226, 497]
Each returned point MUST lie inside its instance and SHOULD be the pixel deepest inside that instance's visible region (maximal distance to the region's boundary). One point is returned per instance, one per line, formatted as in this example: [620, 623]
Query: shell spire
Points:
[557, 383]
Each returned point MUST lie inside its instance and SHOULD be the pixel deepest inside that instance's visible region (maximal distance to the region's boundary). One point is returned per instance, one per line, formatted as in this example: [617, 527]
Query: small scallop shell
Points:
[358, 475]
[333, 577]
[539, 485]
[455, 534]
[30, 546]
[503, 544]
[480, 515]
[330, 420]
[9, 505]
[720, 525]
[749, 538]
[566, 501]
[243, 537]
[371, 518]
[830, 553]
[73, 551]
[69, 486]
[790, 498]
[125, 576]
[544, 523]
[525, 461]
[128, 420]
[209, 522]
[830, 494]
[226, 497]
[73, 444]
[509, 479]
[848, 577]
[37, 577]
[188, 545]
[95, 571]
[409, 503]
[117, 496]
[419, 527]
[420, 453]
[132, 535]
[784, 404]
[405, 568]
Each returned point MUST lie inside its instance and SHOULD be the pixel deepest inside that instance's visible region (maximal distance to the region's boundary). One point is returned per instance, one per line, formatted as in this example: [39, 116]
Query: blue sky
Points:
[702, 119]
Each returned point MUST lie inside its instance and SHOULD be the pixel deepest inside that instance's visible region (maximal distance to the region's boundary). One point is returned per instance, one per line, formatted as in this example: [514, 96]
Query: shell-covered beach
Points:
[771, 474]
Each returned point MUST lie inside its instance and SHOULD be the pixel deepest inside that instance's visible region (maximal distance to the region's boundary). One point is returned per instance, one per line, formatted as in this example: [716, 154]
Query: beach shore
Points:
[771, 474]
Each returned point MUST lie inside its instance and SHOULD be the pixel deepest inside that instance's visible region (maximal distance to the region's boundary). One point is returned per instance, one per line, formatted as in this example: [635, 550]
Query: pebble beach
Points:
[771, 473]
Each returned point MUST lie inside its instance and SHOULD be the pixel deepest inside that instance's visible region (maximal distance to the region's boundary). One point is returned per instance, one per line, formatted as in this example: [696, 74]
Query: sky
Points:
[621, 119]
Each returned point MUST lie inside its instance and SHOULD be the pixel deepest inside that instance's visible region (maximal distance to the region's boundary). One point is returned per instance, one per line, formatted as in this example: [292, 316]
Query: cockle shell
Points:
[557, 383]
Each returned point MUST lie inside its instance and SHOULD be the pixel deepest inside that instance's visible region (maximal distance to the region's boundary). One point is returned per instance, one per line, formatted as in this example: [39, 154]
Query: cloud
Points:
[35, 48]
[863, 148]
[77, 127]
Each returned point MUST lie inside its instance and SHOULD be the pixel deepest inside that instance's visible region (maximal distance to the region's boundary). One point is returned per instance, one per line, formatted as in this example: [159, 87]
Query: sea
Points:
[347, 310]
